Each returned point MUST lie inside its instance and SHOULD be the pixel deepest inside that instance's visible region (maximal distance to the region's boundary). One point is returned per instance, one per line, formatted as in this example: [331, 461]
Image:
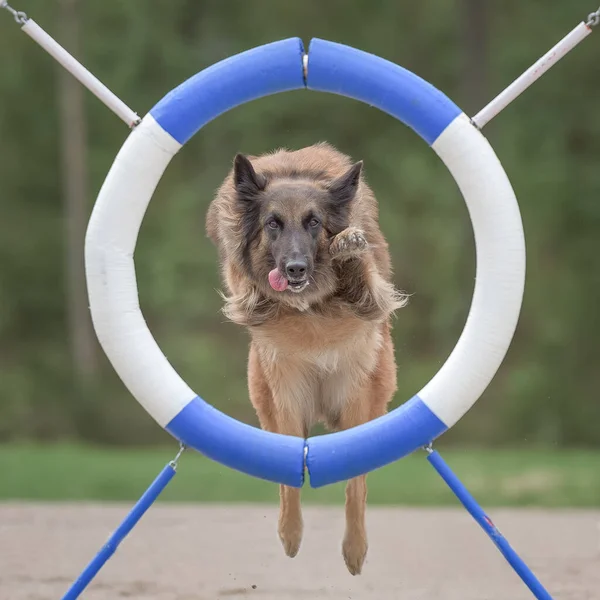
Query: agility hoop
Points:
[124, 197]
[133, 352]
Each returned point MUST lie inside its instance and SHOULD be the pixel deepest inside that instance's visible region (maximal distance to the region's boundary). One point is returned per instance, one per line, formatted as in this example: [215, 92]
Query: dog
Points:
[307, 271]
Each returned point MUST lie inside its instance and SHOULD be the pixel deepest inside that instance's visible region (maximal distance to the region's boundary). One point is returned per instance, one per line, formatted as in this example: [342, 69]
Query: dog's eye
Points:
[314, 222]
[272, 224]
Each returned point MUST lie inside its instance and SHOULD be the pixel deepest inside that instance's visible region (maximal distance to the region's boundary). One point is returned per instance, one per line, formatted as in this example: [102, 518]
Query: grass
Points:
[494, 477]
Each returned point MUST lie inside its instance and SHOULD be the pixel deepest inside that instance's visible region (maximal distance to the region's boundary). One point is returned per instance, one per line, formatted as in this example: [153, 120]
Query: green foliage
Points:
[548, 141]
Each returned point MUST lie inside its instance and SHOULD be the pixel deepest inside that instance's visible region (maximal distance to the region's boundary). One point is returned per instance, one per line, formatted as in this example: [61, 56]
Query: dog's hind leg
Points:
[367, 403]
[294, 391]
[355, 545]
[290, 525]
[281, 414]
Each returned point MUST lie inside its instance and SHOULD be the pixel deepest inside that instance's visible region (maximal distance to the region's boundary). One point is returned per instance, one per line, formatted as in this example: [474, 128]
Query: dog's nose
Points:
[296, 269]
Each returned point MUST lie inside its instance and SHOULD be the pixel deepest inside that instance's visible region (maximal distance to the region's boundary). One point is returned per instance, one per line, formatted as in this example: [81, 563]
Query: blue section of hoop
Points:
[346, 454]
[271, 456]
[349, 72]
[346, 71]
[262, 71]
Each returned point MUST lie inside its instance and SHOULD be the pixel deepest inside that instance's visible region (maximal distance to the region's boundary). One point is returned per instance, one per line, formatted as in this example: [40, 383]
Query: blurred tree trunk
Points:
[475, 20]
[74, 184]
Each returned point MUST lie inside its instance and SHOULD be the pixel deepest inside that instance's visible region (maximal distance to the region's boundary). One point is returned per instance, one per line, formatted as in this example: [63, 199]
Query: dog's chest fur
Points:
[315, 366]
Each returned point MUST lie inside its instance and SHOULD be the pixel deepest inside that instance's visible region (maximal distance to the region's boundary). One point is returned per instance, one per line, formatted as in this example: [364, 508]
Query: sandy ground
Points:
[182, 552]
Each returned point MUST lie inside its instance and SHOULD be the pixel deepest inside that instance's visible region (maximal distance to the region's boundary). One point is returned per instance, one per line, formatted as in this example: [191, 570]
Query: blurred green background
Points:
[65, 415]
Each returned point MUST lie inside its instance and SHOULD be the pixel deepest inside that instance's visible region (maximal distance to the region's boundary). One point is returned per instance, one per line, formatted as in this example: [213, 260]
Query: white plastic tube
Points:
[35, 32]
[534, 72]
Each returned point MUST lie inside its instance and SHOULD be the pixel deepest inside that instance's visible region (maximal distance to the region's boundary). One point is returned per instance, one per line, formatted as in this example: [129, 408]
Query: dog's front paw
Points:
[348, 243]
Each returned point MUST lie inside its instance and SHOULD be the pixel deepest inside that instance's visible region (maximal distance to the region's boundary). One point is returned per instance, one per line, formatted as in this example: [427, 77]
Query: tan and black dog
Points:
[307, 271]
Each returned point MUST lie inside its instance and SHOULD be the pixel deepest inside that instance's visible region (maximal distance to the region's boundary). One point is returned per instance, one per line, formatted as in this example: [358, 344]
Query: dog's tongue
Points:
[277, 280]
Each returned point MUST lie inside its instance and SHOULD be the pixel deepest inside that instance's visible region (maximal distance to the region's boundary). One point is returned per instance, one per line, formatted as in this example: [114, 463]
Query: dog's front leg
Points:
[360, 284]
[349, 243]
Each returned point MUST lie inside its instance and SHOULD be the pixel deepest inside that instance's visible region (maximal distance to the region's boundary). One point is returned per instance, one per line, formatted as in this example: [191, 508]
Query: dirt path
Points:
[182, 552]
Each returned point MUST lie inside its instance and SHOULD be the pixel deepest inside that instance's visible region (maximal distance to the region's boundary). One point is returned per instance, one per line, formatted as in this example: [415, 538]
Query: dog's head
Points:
[286, 226]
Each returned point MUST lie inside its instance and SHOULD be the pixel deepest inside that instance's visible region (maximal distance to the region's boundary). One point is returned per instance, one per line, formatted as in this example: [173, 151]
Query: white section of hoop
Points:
[112, 287]
[50, 45]
[515, 89]
[500, 274]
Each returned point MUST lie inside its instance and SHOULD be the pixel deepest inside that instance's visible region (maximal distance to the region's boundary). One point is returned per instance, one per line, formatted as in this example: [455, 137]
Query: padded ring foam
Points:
[117, 216]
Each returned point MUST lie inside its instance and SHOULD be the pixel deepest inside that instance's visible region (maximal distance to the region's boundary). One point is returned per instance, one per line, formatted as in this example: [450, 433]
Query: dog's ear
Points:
[247, 181]
[343, 189]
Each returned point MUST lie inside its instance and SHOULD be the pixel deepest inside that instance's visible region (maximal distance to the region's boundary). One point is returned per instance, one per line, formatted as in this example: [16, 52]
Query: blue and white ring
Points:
[134, 175]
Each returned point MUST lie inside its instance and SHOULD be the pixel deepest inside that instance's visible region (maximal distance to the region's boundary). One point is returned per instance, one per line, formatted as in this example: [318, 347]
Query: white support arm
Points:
[92, 83]
[515, 89]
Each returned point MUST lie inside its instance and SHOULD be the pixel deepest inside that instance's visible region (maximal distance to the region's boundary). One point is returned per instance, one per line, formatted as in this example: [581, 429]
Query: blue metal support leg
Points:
[461, 492]
[130, 521]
